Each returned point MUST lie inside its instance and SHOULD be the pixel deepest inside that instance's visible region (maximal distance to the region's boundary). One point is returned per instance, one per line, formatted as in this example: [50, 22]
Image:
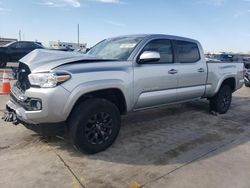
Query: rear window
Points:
[188, 52]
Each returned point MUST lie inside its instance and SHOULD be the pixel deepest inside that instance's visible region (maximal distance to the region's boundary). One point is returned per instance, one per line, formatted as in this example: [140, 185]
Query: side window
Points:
[164, 47]
[16, 45]
[28, 45]
[188, 52]
[19, 45]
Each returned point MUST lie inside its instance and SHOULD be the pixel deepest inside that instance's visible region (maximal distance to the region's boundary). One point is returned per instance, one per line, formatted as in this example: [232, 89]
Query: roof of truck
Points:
[173, 37]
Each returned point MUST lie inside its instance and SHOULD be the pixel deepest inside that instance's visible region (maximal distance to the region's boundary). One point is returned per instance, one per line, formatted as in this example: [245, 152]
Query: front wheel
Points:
[221, 102]
[94, 125]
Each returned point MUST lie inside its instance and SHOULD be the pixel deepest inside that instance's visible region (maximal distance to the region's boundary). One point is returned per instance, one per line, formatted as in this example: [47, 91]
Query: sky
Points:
[220, 25]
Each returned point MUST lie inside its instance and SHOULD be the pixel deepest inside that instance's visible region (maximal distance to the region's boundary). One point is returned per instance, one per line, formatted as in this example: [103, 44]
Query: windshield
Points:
[117, 48]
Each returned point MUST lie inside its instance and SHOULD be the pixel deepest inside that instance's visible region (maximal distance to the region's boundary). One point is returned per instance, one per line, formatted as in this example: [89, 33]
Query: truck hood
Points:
[41, 60]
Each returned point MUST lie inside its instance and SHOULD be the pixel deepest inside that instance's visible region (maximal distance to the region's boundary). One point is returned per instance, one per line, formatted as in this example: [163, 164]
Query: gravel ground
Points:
[175, 146]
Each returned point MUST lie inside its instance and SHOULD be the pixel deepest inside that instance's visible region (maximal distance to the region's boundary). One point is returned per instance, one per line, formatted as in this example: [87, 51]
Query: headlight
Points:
[48, 80]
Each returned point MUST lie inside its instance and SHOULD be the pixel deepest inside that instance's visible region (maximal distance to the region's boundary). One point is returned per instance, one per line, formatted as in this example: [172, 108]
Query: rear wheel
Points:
[94, 125]
[247, 84]
[221, 102]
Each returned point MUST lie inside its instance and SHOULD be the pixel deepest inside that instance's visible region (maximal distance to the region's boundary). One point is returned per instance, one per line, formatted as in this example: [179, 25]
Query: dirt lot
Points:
[175, 146]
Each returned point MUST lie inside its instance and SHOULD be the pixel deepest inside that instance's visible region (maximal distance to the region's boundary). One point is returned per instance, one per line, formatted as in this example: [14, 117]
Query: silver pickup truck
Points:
[85, 94]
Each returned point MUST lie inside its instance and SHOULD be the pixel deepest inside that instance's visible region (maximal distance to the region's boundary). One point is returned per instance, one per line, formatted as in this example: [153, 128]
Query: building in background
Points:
[67, 46]
[4, 41]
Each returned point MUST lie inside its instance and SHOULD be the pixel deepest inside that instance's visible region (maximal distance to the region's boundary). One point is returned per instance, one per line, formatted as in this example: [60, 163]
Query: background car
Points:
[66, 49]
[14, 51]
[226, 57]
[247, 78]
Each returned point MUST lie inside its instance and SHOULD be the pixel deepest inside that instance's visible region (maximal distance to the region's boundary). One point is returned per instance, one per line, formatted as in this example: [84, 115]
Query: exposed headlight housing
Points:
[48, 80]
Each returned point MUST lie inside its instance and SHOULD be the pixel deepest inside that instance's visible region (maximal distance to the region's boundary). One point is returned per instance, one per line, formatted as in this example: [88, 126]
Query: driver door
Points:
[155, 83]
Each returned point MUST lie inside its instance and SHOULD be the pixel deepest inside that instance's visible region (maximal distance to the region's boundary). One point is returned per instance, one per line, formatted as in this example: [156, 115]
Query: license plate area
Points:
[10, 115]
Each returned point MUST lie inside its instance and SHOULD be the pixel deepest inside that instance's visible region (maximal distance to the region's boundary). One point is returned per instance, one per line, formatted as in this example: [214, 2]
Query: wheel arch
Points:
[231, 81]
[114, 94]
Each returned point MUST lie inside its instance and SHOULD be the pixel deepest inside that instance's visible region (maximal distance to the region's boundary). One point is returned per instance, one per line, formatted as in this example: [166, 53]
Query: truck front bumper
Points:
[47, 129]
[48, 120]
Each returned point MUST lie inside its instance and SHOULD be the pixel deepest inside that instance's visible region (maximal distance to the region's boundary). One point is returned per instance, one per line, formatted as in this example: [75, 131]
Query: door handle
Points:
[172, 71]
[201, 70]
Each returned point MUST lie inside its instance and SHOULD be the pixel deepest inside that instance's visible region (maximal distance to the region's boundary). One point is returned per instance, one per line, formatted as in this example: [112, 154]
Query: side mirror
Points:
[149, 56]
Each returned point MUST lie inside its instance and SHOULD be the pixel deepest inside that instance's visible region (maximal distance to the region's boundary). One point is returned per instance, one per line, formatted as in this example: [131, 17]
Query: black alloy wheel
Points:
[221, 102]
[94, 125]
[99, 128]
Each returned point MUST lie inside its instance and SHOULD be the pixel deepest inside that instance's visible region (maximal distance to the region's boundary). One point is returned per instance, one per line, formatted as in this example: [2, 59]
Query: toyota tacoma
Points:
[86, 94]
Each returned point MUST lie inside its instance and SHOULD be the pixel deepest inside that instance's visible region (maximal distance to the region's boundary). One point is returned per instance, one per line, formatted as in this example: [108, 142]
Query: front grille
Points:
[22, 77]
[25, 105]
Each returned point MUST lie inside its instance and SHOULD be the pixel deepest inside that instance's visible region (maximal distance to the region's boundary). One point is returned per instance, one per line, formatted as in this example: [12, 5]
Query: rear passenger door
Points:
[192, 70]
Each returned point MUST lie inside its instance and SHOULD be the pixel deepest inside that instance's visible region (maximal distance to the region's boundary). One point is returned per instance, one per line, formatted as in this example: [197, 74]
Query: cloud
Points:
[212, 2]
[118, 24]
[238, 14]
[74, 3]
[4, 10]
[218, 2]
[241, 13]
[109, 1]
[61, 3]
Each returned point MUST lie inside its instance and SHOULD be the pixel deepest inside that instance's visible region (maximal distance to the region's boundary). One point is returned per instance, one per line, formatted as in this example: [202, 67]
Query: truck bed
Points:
[219, 71]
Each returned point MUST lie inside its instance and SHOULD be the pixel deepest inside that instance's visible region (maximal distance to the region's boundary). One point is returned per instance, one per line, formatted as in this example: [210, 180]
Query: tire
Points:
[221, 102]
[247, 84]
[94, 125]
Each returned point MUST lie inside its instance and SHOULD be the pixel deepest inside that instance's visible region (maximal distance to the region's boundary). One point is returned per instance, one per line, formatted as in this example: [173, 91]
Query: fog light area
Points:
[36, 104]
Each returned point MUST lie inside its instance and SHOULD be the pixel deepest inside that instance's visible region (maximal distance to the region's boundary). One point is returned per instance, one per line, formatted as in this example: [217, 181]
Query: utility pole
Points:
[20, 35]
[78, 42]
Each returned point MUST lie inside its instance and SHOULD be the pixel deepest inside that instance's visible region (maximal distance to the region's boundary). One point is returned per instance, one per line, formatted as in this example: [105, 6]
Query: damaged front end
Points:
[17, 92]
[10, 116]
[36, 96]
[19, 105]
[45, 129]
